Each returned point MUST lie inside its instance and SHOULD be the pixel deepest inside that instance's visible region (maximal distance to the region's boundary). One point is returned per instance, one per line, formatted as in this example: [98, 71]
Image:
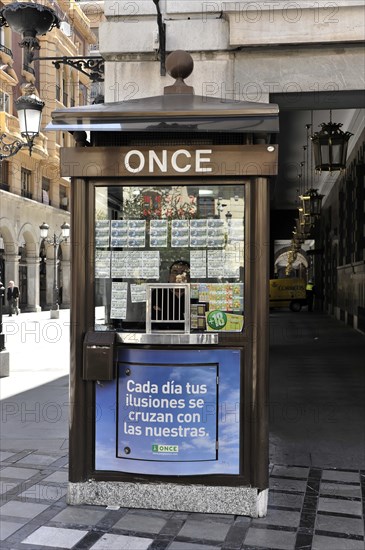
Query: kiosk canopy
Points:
[170, 113]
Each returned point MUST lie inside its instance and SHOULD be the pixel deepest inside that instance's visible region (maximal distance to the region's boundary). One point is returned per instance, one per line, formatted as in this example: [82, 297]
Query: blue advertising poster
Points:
[190, 400]
[167, 413]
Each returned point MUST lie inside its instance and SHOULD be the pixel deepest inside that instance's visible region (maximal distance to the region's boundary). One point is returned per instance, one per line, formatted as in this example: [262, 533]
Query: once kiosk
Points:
[169, 338]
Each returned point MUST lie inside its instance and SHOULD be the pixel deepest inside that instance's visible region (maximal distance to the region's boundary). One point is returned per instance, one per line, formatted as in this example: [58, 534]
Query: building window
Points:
[96, 91]
[65, 94]
[26, 179]
[4, 102]
[95, 47]
[4, 175]
[46, 185]
[82, 94]
[58, 85]
[73, 88]
[63, 198]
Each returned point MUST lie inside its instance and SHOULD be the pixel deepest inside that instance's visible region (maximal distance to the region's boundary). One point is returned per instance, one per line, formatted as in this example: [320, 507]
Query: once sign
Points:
[179, 161]
[168, 161]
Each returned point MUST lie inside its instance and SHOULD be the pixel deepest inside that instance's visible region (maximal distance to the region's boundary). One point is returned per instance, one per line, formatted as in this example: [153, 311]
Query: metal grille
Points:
[168, 308]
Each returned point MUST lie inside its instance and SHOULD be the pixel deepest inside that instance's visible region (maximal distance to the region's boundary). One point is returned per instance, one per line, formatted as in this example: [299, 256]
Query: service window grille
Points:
[168, 307]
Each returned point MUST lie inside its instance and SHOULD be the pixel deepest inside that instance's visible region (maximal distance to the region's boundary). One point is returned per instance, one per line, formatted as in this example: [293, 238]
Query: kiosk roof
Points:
[175, 112]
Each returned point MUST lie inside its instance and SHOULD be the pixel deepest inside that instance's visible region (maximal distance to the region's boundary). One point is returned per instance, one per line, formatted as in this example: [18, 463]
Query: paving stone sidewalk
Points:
[309, 508]
[312, 504]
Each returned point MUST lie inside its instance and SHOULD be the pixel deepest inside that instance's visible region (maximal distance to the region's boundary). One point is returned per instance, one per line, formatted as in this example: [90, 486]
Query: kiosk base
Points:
[245, 501]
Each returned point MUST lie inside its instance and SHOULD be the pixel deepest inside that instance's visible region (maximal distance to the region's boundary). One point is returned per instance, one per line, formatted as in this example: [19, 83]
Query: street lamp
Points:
[32, 20]
[29, 107]
[311, 203]
[330, 147]
[55, 241]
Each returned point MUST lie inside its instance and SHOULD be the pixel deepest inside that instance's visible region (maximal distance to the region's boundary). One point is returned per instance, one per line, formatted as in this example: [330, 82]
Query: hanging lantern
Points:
[293, 255]
[330, 147]
[311, 203]
[289, 269]
[300, 230]
[297, 244]
[306, 222]
[298, 238]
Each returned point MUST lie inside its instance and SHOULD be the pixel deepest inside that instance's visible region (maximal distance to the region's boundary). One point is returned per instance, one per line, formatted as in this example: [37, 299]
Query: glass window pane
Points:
[169, 258]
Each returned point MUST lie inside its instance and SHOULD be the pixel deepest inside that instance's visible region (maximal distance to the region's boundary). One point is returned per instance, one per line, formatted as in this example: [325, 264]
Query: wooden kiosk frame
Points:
[240, 140]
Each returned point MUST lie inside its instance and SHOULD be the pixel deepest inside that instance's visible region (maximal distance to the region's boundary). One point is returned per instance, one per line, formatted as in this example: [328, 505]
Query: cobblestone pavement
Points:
[312, 504]
[308, 508]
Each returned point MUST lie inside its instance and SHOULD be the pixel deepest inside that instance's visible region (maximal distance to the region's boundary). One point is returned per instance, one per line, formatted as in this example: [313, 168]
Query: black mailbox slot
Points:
[98, 362]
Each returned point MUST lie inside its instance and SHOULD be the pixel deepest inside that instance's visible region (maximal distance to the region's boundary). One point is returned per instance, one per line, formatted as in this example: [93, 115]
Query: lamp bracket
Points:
[9, 149]
[55, 241]
[161, 39]
[91, 66]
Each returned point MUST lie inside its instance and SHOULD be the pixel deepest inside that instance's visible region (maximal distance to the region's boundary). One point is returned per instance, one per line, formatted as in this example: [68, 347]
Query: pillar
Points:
[66, 284]
[33, 284]
[11, 272]
[50, 255]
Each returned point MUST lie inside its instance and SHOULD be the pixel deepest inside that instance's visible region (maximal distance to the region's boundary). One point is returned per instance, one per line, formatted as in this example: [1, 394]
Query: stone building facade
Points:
[307, 56]
[31, 189]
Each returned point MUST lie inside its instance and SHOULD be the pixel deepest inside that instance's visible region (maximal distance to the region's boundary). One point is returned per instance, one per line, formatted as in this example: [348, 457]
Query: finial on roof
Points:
[179, 65]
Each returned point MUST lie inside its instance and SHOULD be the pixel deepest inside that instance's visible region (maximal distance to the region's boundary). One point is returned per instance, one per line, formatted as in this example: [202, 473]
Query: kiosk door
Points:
[169, 283]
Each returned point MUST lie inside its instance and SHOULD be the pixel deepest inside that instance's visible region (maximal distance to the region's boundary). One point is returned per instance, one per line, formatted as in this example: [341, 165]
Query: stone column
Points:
[66, 284]
[11, 269]
[33, 283]
[11, 273]
[50, 275]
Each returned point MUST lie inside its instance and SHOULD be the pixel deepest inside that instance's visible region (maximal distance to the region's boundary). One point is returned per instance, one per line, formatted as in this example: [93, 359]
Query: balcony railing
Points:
[6, 50]
[29, 69]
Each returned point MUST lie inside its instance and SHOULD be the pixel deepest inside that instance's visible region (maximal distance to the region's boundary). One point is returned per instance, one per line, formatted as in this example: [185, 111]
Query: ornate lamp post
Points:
[30, 20]
[55, 241]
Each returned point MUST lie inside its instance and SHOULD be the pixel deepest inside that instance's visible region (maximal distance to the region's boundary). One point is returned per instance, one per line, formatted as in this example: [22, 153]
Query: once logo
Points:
[179, 161]
[165, 448]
